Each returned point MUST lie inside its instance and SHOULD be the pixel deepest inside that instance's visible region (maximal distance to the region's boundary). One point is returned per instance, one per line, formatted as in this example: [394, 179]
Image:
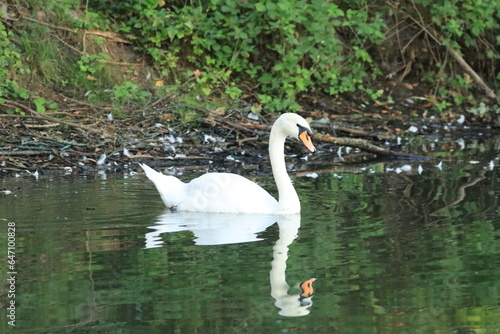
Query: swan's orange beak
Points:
[305, 138]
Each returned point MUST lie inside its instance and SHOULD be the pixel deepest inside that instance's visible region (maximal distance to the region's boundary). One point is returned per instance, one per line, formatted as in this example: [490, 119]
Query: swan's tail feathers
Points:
[150, 172]
[161, 181]
[171, 189]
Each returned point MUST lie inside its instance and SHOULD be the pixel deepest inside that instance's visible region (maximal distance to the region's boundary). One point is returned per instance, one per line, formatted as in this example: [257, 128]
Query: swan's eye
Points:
[303, 129]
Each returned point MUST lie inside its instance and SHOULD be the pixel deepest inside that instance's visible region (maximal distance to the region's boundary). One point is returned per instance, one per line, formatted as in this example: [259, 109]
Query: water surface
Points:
[395, 249]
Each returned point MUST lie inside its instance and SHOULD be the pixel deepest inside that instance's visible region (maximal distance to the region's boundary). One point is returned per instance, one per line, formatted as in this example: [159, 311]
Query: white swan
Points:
[232, 193]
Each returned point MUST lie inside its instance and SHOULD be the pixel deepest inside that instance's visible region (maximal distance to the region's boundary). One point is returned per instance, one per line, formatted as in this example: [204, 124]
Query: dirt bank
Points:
[78, 140]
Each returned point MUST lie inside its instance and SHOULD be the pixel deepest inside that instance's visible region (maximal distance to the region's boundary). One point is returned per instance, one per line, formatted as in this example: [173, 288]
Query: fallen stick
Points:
[366, 146]
[351, 142]
[36, 114]
[106, 34]
[466, 67]
[24, 152]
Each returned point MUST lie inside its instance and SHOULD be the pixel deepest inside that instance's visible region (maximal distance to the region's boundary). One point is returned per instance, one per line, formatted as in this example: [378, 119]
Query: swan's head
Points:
[296, 126]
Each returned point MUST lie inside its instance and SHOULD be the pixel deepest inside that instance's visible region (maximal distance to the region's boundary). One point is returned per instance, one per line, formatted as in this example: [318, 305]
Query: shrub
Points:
[10, 67]
[284, 46]
[469, 27]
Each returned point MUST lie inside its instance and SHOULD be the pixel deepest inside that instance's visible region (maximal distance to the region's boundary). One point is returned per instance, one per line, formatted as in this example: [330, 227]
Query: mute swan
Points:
[232, 193]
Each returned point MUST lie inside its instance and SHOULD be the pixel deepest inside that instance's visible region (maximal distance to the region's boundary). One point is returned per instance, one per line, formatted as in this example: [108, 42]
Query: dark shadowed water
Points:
[399, 247]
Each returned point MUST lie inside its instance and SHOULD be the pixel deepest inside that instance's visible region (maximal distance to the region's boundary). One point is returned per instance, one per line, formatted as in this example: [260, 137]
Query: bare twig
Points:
[25, 152]
[109, 35]
[35, 114]
[432, 33]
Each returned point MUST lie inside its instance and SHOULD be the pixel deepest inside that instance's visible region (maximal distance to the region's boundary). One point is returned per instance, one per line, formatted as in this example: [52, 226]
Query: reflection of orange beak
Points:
[307, 287]
[306, 139]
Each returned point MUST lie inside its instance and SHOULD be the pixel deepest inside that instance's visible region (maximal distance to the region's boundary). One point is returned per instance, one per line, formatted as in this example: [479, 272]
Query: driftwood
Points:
[365, 145]
[362, 144]
[246, 133]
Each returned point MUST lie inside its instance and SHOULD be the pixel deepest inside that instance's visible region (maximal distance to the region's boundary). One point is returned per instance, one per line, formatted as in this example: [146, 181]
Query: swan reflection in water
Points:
[220, 229]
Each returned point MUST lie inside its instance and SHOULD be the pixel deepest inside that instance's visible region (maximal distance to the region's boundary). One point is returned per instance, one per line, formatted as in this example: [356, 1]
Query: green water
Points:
[392, 253]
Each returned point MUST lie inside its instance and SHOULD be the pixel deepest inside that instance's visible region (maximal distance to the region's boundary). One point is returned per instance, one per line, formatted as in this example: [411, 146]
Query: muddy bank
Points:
[77, 141]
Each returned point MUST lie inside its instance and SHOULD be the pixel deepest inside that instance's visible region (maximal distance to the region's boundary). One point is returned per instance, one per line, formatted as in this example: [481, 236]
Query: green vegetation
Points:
[11, 66]
[270, 53]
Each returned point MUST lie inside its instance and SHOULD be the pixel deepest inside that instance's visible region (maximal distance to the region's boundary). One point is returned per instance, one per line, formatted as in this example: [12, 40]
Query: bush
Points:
[270, 51]
[10, 67]
[469, 27]
[284, 46]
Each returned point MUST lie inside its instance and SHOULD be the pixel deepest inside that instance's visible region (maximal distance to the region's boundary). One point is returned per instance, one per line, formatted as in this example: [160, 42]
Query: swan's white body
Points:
[232, 193]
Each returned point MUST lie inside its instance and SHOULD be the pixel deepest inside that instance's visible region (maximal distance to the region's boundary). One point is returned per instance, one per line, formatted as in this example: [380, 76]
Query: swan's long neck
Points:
[288, 201]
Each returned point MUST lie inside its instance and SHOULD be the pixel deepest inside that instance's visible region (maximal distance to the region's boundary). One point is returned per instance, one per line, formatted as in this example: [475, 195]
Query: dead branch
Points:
[25, 152]
[38, 126]
[37, 115]
[365, 146]
[431, 32]
[343, 141]
[108, 35]
[354, 132]
[466, 67]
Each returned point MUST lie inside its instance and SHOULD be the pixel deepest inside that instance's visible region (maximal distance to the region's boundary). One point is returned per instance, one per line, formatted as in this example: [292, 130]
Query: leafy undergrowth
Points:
[271, 55]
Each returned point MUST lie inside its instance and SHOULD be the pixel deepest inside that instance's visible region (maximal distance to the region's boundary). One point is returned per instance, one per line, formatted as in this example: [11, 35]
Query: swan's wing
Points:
[226, 192]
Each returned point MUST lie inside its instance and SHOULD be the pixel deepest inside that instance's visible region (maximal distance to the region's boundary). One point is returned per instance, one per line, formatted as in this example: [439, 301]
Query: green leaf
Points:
[266, 78]
[40, 104]
[299, 82]
[260, 7]
[206, 90]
